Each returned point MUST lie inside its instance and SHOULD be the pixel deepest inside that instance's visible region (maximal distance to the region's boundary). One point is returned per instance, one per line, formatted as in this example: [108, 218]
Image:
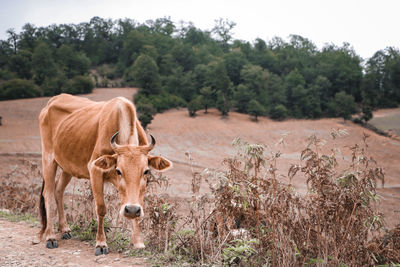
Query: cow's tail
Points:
[42, 210]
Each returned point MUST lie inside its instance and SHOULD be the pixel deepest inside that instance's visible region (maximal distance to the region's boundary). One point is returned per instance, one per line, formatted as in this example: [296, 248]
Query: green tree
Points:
[366, 113]
[294, 85]
[255, 78]
[195, 105]
[184, 56]
[144, 74]
[342, 67]
[223, 104]
[181, 84]
[218, 80]
[223, 30]
[43, 64]
[242, 96]
[274, 92]
[72, 62]
[278, 112]
[234, 62]
[381, 82]
[145, 111]
[132, 46]
[343, 105]
[255, 109]
[21, 64]
[27, 37]
[208, 98]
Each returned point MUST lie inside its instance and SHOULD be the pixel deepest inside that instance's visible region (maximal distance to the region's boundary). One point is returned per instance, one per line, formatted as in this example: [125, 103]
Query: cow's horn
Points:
[153, 143]
[114, 144]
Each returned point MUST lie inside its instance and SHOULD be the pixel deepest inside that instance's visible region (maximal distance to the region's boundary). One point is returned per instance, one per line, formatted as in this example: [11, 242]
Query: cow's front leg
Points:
[96, 179]
[136, 239]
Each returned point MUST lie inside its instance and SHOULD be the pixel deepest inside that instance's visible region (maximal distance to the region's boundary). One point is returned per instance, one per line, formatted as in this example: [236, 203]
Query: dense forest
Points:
[183, 66]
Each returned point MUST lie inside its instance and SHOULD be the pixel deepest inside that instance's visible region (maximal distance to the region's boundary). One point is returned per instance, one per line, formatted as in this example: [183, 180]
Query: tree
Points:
[343, 69]
[242, 97]
[195, 105]
[223, 104]
[366, 113]
[254, 77]
[144, 74]
[234, 62]
[208, 97]
[132, 46]
[274, 92]
[255, 109]
[72, 63]
[181, 84]
[21, 64]
[223, 30]
[278, 112]
[27, 37]
[381, 82]
[43, 64]
[294, 81]
[218, 80]
[146, 111]
[343, 105]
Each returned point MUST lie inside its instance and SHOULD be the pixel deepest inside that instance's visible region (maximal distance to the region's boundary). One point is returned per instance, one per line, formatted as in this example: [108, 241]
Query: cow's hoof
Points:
[51, 243]
[139, 246]
[66, 235]
[101, 250]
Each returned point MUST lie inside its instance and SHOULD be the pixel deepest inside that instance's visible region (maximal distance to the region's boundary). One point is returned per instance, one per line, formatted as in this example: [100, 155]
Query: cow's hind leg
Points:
[61, 184]
[49, 173]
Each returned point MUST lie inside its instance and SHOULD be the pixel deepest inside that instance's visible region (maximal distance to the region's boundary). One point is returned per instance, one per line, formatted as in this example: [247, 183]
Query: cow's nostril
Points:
[132, 210]
[138, 211]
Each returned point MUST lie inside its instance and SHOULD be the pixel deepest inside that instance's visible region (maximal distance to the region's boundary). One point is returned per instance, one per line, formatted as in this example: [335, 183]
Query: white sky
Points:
[366, 24]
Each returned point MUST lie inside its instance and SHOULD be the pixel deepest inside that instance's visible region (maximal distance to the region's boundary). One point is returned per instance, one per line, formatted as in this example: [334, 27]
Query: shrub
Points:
[18, 88]
[279, 112]
[53, 86]
[195, 105]
[79, 85]
[161, 102]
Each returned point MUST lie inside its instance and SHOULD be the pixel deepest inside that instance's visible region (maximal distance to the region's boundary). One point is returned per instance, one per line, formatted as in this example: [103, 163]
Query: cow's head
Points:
[128, 169]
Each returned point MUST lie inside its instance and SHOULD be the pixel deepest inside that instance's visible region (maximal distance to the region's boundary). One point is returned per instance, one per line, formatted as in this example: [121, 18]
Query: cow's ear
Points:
[106, 162]
[159, 163]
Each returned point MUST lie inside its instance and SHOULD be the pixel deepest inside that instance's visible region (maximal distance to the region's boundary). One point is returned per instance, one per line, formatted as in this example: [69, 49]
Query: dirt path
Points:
[18, 248]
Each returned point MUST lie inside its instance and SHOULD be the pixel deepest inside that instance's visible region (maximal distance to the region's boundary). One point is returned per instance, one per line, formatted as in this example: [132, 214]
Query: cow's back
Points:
[56, 110]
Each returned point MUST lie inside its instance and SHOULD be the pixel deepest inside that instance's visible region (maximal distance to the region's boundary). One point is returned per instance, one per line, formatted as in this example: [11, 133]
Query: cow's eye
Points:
[118, 171]
[146, 172]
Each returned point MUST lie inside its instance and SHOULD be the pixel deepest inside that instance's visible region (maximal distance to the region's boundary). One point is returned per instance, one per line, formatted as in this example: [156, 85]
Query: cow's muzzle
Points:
[132, 211]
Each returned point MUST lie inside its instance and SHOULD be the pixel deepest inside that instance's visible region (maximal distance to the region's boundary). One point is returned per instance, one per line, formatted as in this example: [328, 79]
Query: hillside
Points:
[208, 139]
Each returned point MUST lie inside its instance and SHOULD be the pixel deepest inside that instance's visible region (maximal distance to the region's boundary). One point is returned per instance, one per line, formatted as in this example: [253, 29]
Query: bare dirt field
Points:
[18, 248]
[387, 120]
[208, 138]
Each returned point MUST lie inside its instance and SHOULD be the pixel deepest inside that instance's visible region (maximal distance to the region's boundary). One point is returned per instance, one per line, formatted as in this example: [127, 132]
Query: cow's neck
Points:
[127, 128]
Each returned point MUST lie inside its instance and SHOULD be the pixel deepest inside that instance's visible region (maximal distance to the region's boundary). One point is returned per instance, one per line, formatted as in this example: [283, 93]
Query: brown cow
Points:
[80, 135]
